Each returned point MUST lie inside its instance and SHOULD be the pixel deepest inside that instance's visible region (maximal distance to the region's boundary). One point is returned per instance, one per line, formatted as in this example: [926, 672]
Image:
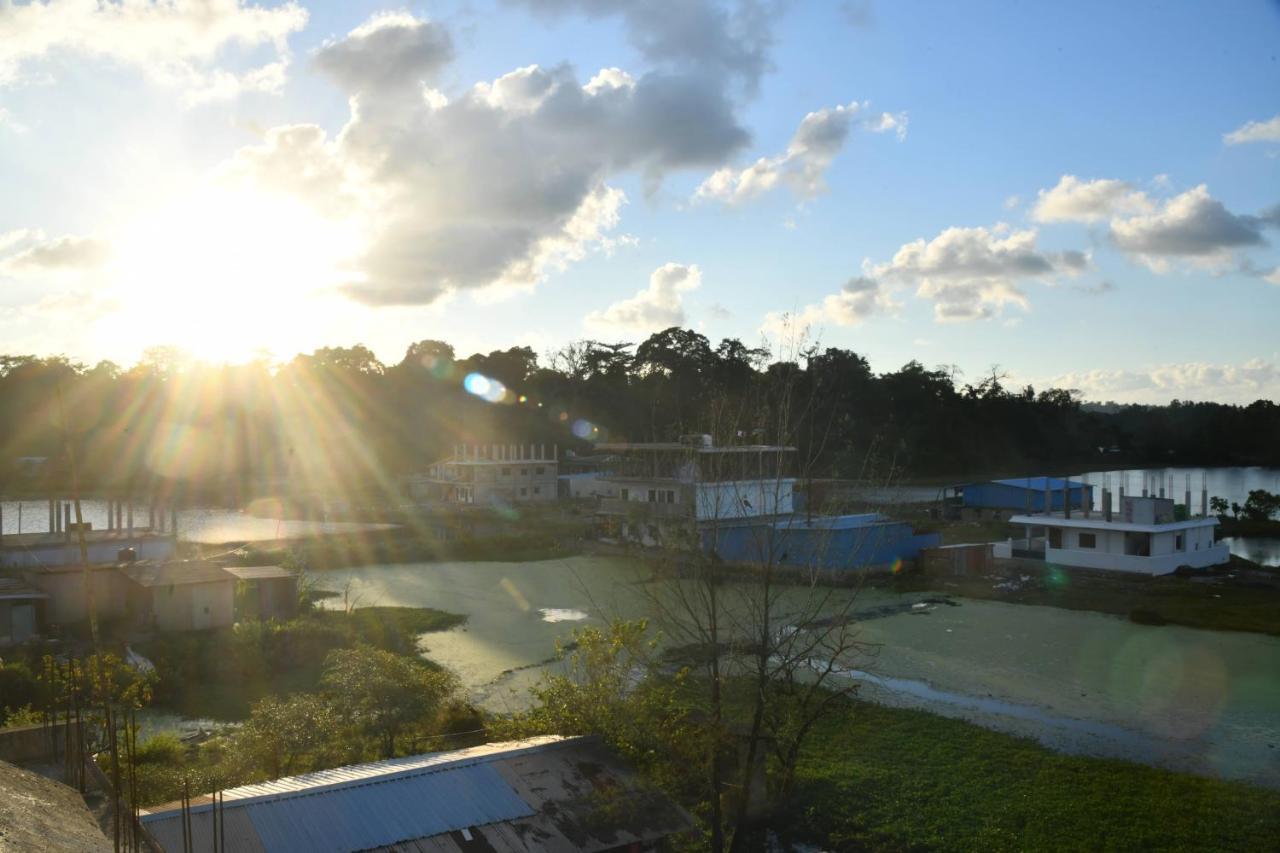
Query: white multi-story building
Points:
[659, 491]
[489, 474]
[1144, 537]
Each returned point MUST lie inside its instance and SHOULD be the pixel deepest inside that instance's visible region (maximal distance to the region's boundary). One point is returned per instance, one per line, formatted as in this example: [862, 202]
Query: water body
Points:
[1233, 484]
[1203, 701]
[209, 525]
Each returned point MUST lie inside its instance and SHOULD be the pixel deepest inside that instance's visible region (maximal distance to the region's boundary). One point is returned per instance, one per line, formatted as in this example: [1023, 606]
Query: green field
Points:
[876, 778]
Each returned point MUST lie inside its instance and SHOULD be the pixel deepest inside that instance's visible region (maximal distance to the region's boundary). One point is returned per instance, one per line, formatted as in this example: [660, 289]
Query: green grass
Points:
[892, 779]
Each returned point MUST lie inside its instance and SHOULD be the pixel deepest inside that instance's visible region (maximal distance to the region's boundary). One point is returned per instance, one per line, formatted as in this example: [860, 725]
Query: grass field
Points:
[876, 778]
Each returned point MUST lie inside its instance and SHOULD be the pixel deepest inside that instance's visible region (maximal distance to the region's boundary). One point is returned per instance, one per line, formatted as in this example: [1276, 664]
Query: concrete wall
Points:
[1197, 550]
[68, 553]
[66, 603]
[191, 606]
[23, 744]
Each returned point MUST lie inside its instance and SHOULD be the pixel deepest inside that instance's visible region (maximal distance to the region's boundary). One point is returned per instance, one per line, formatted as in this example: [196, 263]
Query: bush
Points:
[18, 689]
[163, 748]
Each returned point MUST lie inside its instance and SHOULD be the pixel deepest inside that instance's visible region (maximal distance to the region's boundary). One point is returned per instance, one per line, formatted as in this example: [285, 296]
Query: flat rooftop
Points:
[45, 539]
[669, 446]
[1096, 521]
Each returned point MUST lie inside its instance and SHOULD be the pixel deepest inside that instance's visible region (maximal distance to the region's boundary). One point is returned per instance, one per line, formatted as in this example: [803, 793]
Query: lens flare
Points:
[897, 566]
[582, 428]
[490, 390]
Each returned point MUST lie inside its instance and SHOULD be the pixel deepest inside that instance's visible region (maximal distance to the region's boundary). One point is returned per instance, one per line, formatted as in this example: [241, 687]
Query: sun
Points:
[227, 273]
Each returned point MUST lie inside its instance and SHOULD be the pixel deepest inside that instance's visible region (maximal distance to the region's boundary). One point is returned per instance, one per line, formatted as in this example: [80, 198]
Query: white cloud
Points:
[658, 306]
[972, 273]
[1230, 383]
[1074, 200]
[1254, 131]
[496, 186]
[8, 122]
[175, 42]
[802, 167]
[27, 253]
[1192, 226]
[858, 300]
[1012, 202]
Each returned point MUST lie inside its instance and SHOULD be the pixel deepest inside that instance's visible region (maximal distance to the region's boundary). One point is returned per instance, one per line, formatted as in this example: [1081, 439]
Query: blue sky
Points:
[1094, 186]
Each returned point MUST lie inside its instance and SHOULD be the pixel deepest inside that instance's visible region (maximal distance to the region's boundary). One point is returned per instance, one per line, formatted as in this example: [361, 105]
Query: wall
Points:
[101, 551]
[745, 499]
[22, 744]
[840, 548]
[173, 608]
[1005, 496]
[66, 603]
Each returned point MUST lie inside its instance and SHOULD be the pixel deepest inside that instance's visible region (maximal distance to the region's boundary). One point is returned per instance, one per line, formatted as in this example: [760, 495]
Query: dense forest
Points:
[339, 419]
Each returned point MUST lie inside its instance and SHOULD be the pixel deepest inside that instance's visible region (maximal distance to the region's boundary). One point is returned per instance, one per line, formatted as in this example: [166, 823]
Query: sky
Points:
[1082, 195]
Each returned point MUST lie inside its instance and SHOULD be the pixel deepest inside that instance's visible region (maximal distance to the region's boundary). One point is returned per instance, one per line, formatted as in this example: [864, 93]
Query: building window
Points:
[1088, 540]
[537, 490]
[653, 496]
[1055, 537]
[671, 496]
[524, 472]
[524, 492]
[539, 470]
[626, 494]
[1179, 543]
[506, 472]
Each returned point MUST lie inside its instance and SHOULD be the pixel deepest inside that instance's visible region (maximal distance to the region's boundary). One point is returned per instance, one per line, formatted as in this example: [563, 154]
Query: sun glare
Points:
[226, 274]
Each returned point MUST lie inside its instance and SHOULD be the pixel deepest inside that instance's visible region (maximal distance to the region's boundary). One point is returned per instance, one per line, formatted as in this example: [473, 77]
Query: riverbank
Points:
[1239, 596]
[881, 778]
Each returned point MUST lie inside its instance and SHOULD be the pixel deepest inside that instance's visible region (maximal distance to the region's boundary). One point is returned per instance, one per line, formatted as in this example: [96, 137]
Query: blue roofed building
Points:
[828, 542]
[1020, 494]
[546, 793]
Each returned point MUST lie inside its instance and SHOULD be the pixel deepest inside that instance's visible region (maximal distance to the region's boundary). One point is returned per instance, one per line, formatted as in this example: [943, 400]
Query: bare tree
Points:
[757, 597]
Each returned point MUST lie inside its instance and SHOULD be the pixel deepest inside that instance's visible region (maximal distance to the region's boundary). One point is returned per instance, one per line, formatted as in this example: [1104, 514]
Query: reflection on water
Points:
[562, 614]
[1260, 549]
[194, 525]
[1192, 699]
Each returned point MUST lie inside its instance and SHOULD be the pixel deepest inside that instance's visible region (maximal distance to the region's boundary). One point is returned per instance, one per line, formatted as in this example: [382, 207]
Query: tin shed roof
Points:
[171, 574]
[542, 789]
[257, 573]
[13, 588]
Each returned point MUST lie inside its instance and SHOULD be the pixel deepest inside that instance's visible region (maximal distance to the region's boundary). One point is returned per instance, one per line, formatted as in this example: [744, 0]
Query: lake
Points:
[1085, 682]
[208, 525]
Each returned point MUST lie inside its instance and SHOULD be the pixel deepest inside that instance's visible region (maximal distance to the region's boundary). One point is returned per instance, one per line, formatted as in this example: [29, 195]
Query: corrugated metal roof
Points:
[165, 574]
[254, 573]
[1036, 483]
[13, 588]
[541, 793]
[381, 813]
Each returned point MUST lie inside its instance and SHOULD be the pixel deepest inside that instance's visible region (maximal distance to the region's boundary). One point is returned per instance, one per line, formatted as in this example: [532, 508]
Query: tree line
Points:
[339, 418]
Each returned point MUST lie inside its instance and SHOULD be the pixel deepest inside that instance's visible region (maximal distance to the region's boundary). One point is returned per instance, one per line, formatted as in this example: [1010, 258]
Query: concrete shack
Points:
[68, 601]
[21, 611]
[265, 592]
[187, 596]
